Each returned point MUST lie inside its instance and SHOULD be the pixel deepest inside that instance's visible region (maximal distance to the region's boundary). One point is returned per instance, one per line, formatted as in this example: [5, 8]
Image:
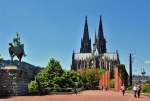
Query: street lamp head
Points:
[143, 72]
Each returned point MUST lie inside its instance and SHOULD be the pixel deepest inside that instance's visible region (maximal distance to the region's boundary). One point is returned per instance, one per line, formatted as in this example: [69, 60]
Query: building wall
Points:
[95, 62]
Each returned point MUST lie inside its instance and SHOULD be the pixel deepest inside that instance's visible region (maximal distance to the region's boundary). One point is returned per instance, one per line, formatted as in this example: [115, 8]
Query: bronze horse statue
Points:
[16, 49]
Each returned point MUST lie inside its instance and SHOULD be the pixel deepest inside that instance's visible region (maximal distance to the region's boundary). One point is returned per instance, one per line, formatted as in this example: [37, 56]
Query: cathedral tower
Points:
[101, 42]
[85, 41]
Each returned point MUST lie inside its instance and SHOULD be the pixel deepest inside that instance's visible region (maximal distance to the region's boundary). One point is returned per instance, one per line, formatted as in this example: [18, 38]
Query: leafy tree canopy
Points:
[53, 78]
[123, 73]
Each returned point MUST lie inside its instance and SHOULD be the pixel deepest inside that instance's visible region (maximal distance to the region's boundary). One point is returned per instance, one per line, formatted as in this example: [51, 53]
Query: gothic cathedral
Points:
[98, 57]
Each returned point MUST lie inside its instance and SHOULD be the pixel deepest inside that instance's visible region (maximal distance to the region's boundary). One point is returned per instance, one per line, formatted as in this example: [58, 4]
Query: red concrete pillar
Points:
[108, 79]
[102, 81]
[105, 78]
[120, 83]
[118, 80]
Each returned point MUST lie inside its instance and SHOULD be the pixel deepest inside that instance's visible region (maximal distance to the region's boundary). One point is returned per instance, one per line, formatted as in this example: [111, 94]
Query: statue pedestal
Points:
[13, 81]
[10, 67]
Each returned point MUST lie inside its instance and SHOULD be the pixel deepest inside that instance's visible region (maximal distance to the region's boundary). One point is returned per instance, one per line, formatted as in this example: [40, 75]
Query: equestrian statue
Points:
[16, 48]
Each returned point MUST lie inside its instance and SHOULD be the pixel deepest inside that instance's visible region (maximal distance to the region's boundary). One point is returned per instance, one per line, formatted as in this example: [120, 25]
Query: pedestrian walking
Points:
[75, 91]
[135, 90]
[123, 89]
[138, 90]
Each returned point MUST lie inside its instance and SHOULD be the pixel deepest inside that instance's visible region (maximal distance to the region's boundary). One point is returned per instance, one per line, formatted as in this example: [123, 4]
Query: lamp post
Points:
[130, 69]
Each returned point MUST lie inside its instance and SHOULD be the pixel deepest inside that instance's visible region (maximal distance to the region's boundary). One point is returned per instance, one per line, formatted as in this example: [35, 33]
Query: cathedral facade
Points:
[96, 57]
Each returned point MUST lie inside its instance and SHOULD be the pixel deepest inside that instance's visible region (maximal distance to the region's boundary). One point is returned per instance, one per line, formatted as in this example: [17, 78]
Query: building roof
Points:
[82, 56]
[110, 56]
[85, 56]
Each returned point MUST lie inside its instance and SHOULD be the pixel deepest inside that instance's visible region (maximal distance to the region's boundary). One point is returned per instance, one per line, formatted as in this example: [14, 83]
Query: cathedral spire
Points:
[86, 31]
[101, 40]
[86, 41]
[100, 29]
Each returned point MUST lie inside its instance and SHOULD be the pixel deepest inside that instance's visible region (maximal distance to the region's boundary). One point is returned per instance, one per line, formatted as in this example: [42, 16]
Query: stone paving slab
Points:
[91, 95]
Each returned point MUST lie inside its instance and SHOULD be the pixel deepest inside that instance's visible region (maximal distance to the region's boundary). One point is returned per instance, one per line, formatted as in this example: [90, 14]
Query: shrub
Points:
[146, 88]
[90, 77]
[112, 83]
[54, 79]
[129, 87]
[33, 87]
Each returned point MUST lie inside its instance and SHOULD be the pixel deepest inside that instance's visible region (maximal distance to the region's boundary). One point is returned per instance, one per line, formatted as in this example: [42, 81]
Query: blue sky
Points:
[53, 28]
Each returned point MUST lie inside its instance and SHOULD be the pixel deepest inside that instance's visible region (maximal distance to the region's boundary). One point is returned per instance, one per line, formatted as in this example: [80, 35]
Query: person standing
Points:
[135, 89]
[123, 89]
[138, 90]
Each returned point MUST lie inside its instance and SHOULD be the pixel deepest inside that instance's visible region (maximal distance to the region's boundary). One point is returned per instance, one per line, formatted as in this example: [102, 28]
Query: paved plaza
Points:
[91, 95]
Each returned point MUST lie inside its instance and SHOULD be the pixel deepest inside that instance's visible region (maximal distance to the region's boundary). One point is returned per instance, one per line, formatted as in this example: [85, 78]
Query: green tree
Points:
[91, 77]
[33, 87]
[53, 78]
[1, 60]
[71, 79]
[49, 77]
[123, 73]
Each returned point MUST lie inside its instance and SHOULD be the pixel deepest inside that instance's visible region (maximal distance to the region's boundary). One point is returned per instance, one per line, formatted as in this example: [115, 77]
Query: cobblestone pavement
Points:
[91, 95]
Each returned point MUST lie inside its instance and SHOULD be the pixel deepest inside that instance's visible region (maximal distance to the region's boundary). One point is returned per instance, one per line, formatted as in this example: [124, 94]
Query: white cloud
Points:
[147, 61]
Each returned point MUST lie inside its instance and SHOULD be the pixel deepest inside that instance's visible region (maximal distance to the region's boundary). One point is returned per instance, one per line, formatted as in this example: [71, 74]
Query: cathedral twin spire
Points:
[85, 41]
[100, 42]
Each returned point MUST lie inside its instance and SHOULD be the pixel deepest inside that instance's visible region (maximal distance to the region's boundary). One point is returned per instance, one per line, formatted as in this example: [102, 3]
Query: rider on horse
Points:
[16, 48]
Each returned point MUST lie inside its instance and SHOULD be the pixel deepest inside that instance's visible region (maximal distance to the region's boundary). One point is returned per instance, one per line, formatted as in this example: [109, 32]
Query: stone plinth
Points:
[13, 81]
